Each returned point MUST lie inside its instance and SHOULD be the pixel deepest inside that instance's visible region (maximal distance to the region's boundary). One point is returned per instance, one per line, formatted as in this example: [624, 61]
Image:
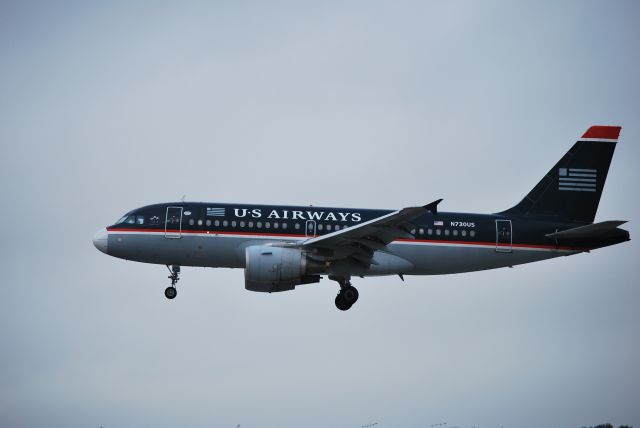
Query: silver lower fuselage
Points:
[408, 257]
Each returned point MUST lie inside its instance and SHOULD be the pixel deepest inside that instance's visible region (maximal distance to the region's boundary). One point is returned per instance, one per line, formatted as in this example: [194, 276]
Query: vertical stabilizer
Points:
[571, 190]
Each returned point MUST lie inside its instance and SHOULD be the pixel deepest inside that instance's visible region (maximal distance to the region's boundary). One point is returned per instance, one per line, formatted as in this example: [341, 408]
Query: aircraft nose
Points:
[100, 240]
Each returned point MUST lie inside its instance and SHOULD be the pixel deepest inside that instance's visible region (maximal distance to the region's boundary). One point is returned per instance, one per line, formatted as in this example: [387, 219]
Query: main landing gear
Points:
[348, 294]
[171, 292]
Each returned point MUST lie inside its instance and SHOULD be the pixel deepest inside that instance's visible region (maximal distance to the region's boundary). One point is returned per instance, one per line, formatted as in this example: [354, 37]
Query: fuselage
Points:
[217, 234]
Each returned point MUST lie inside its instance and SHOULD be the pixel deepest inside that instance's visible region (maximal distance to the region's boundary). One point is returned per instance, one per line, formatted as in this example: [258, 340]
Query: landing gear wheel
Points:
[170, 292]
[341, 303]
[349, 294]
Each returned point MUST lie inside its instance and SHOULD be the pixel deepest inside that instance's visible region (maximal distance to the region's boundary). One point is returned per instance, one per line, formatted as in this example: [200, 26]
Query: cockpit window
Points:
[140, 219]
[143, 217]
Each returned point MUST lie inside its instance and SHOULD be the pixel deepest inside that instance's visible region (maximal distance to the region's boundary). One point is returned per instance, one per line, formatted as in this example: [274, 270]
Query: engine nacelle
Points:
[269, 269]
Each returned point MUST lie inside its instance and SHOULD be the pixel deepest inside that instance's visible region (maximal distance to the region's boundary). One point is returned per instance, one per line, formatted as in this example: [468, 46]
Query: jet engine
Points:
[269, 269]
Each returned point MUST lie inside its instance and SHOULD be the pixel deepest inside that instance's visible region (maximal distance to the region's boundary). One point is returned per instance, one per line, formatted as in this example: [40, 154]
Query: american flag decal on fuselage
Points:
[215, 212]
[577, 179]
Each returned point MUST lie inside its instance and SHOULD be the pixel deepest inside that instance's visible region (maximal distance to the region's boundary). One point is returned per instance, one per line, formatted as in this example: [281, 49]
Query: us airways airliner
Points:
[280, 247]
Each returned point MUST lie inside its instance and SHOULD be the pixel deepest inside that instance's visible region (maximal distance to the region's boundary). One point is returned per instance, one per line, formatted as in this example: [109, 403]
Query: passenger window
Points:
[429, 231]
[140, 219]
[208, 222]
[233, 223]
[267, 225]
[455, 232]
[191, 222]
[259, 225]
[242, 224]
[438, 232]
[250, 224]
[275, 225]
[199, 222]
[297, 226]
[472, 233]
[464, 233]
[225, 223]
[421, 231]
[284, 225]
[446, 232]
[328, 227]
[216, 223]
[320, 227]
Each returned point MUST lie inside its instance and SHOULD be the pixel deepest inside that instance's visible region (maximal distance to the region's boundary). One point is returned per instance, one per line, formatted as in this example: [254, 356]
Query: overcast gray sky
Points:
[108, 106]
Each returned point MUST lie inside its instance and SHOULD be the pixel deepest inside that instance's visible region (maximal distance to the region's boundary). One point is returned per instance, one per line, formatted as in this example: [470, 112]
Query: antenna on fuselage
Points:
[182, 199]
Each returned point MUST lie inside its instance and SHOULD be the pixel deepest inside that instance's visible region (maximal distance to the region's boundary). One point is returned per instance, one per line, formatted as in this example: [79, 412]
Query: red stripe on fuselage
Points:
[291, 235]
[545, 247]
[206, 232]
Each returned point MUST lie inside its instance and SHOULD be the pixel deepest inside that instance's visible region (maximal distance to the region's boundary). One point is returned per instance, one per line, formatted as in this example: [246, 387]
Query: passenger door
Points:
[173, 223]
[504, 239]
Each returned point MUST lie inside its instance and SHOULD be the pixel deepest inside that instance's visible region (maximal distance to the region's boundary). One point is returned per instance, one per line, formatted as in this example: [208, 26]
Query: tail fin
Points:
[571, 190]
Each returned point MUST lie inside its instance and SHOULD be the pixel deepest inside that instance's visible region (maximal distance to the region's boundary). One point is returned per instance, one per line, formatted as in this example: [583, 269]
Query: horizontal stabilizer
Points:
[590, 231]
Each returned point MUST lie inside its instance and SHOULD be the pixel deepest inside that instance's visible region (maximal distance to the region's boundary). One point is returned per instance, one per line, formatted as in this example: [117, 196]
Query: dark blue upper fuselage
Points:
[296, 221]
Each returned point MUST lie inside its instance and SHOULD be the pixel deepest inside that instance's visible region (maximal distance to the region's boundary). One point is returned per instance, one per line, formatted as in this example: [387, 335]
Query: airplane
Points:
[280, 247]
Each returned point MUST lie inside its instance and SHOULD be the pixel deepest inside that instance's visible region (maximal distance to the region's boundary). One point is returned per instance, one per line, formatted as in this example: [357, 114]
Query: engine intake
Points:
[269, 269]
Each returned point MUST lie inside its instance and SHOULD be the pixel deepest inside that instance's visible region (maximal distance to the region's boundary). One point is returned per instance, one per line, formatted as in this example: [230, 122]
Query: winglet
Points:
[433, 207]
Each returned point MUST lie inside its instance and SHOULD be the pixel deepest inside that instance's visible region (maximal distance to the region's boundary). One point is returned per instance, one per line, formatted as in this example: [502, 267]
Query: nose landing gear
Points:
[348, 294]
[171, 292]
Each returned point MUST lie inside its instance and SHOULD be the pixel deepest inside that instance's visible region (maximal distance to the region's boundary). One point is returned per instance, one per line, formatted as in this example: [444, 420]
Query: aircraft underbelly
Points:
[438, 260]
[205, 251]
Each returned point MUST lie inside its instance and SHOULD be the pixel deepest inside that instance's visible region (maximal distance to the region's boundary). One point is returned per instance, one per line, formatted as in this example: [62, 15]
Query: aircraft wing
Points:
[359, 242]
